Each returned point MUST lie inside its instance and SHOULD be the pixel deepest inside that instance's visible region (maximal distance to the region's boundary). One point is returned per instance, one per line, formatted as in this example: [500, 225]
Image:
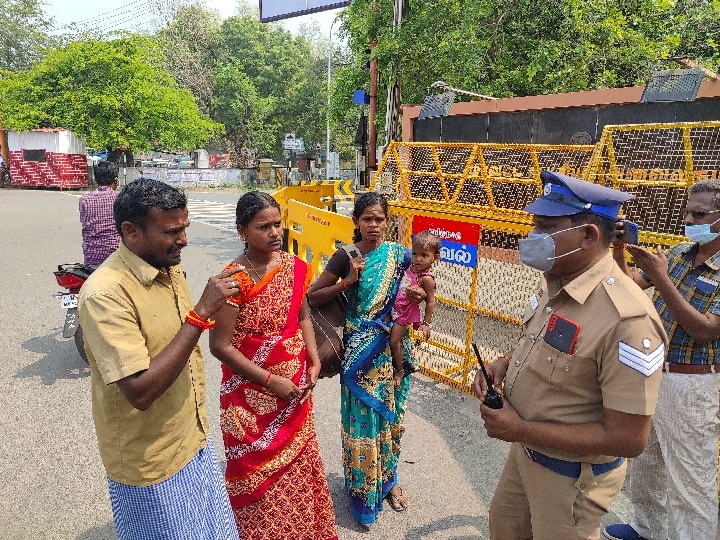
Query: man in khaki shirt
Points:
[148, 382]
[581, 385]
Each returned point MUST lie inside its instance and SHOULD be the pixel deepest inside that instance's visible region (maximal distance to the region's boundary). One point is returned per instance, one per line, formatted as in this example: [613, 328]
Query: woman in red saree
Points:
[264, 338]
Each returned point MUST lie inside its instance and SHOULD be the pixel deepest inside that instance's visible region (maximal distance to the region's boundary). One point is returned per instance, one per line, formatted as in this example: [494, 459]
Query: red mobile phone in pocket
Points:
[562, 333]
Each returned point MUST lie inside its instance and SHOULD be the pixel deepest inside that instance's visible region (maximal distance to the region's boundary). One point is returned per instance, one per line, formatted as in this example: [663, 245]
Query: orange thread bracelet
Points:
[195, 319]
[268, 378]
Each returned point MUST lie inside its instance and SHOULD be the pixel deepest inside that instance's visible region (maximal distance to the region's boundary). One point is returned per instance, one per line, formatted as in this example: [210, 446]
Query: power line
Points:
[121, 15]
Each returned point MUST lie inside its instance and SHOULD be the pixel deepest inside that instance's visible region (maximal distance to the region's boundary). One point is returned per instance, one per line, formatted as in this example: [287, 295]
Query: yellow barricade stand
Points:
[313, 233]
[317, 196]
[482, 288]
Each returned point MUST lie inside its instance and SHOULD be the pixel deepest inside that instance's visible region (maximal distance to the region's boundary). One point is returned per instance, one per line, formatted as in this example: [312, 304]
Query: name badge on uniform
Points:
[534, 302]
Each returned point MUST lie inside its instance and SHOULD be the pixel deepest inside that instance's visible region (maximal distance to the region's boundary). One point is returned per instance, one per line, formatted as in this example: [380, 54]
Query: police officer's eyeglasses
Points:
[700, 215]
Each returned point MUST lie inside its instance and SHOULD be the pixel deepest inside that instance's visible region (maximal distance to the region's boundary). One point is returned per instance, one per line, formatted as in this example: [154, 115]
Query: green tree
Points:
[305, 105]
[113, 93]
[286, 77]
[191, 42]
[23, 33]
[257, 79]
[508, 48]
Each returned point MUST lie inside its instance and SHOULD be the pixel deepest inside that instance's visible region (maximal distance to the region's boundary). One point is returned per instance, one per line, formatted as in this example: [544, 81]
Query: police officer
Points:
[581, 385]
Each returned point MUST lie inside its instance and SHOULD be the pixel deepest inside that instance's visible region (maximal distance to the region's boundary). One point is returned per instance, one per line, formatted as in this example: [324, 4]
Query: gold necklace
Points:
[253, 266]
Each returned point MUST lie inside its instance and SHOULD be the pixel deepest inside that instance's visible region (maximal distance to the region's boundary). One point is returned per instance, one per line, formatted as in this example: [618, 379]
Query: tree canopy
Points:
[23, 33]
[113, 93]
[507, 48]
[239, 85]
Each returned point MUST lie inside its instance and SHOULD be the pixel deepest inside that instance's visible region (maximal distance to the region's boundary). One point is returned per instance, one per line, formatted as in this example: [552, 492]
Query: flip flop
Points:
[399, 503]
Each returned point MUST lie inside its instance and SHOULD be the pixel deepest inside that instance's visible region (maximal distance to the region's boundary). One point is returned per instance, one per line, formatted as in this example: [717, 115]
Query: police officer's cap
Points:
[566, 196]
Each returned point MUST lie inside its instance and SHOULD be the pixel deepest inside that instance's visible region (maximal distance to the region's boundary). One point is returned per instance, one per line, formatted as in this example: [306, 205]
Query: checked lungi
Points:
[191, 505]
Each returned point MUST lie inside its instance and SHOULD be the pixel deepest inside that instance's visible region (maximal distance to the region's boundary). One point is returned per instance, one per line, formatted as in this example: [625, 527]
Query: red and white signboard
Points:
[459, 240]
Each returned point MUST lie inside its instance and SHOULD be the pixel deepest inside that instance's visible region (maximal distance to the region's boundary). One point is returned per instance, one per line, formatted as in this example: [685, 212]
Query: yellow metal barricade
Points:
[476, 180]
[317, 196]
[344, 189]
[445, 185]
[657, 163]
[490, 184]
[313, 233]
[487, 186]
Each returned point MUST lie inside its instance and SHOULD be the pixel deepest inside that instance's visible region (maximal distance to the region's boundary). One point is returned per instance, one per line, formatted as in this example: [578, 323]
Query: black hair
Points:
[427, 240]
[707, 186]
[606, 225]
[364, 201]
[135, 201]
[250, 204]
[105, 172]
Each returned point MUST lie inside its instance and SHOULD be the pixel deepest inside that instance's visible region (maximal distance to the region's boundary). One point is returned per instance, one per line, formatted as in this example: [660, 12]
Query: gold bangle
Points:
[505, 357]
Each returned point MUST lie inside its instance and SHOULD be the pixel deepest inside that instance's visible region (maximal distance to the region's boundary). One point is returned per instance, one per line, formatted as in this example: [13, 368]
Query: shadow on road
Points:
[447, 524]
[60, 360]
[106, 532]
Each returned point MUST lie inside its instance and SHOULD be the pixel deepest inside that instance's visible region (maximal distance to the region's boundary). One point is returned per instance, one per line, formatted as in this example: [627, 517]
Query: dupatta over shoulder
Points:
[263, 433]
[366, 371]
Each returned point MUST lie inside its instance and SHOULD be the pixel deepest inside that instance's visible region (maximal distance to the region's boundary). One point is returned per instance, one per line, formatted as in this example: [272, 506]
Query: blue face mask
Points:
[701, 233]
[538, 249]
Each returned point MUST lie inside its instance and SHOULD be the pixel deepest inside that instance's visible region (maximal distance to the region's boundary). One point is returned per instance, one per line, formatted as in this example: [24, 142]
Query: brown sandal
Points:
[399, 503]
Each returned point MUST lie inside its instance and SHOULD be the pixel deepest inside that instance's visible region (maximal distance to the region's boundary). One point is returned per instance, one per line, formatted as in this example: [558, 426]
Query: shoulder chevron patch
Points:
[647, 364]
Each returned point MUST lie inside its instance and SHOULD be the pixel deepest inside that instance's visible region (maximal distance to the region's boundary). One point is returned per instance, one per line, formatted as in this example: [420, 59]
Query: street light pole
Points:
[327, 113]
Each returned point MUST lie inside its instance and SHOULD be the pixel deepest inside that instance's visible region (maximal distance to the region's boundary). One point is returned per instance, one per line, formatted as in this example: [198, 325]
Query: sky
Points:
[132, 14]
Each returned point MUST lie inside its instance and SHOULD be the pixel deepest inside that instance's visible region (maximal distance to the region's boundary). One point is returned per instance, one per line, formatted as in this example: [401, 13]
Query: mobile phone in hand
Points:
[630, 235]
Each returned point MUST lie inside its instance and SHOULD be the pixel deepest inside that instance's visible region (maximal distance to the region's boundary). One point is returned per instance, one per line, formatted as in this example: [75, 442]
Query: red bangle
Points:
[268, 378]
[343, 285]
[196, 320]
[620, 246]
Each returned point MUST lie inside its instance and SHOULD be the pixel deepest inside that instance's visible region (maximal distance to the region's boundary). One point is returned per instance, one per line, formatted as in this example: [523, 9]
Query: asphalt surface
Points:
[53, 482]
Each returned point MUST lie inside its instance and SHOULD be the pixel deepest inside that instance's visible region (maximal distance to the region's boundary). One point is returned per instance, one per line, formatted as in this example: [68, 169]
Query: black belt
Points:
[570, 468]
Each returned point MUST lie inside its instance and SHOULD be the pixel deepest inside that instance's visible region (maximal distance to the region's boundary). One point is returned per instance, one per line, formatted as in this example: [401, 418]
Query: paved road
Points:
[53, 481]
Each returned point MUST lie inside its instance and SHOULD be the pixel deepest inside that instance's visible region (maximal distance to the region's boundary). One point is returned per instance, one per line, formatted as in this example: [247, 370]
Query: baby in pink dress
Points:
[425, 251]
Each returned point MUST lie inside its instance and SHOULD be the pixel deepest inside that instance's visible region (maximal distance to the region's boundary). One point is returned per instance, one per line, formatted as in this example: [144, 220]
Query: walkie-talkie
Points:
[492, 399]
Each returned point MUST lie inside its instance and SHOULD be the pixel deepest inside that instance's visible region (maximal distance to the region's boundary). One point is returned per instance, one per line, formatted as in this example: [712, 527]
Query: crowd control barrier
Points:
[316, 196]
[313, 233]
[344, 190]
[472, 196]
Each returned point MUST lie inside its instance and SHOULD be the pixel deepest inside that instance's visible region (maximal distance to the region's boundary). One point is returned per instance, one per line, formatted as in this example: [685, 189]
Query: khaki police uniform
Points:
[615, 363]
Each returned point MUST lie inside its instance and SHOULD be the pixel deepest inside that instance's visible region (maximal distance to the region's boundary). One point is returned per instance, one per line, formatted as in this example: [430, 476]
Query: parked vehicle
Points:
[93, 157]
[71, 277]
[185, 162]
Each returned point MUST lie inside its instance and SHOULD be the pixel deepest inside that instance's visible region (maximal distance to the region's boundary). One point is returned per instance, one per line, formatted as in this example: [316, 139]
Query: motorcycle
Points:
[72, 277]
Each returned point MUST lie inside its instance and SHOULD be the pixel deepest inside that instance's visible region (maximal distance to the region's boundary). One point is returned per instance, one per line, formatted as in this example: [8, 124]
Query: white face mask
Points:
[701, 233]
[538, 249]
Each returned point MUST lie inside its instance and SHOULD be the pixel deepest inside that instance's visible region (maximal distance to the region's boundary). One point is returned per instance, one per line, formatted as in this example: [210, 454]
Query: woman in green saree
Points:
[372, 408]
